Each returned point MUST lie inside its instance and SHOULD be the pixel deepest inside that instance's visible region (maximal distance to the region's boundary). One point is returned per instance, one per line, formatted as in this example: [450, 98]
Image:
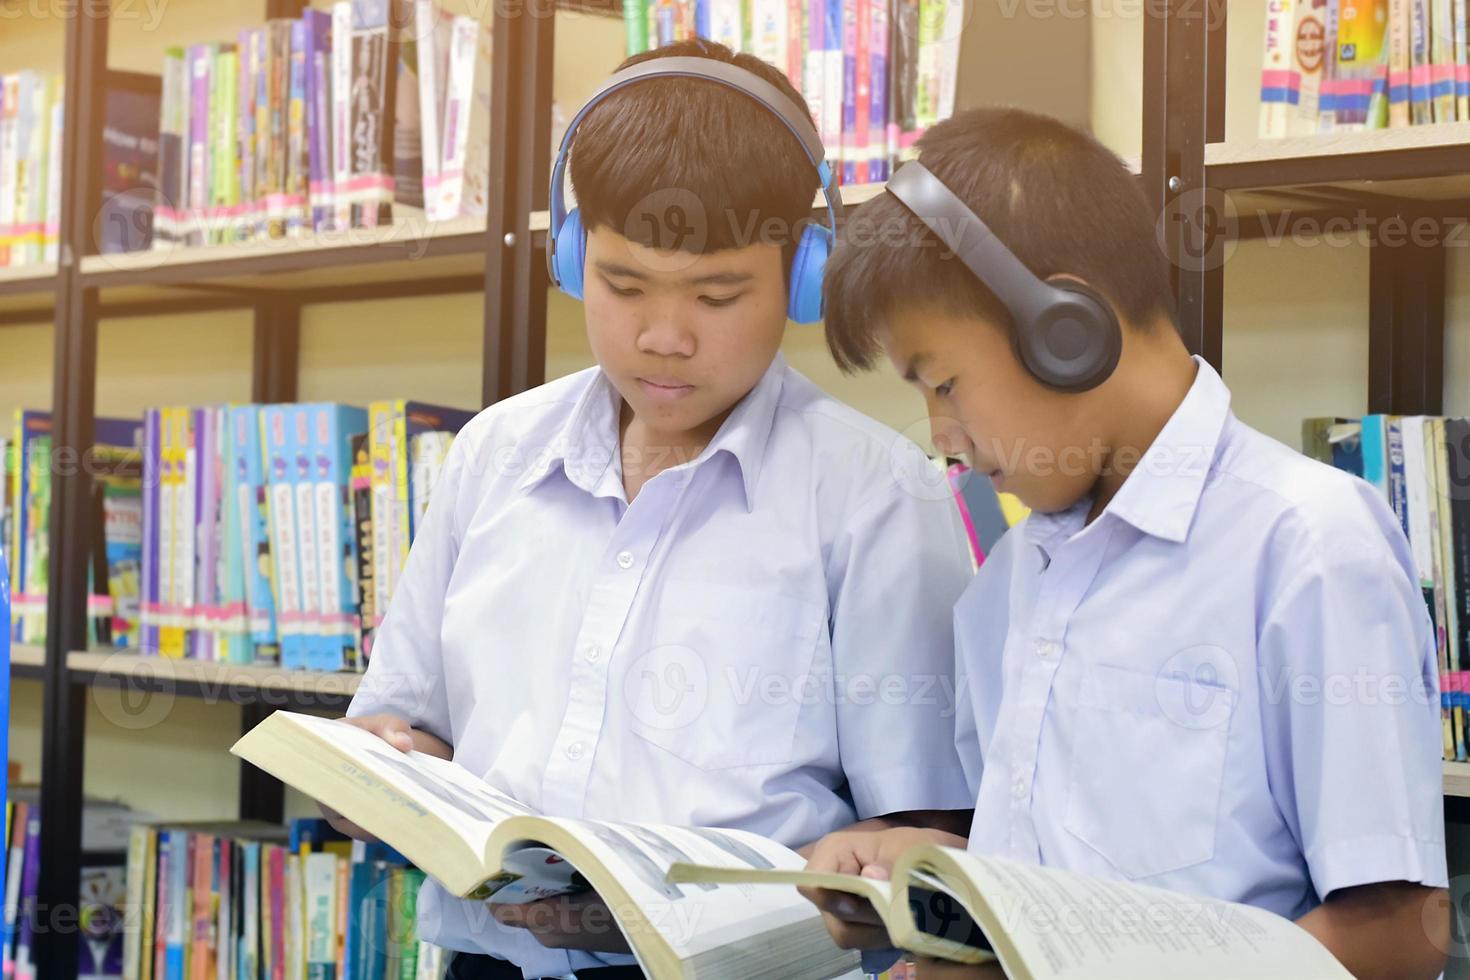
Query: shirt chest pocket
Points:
[1148, 764]
[723, 680]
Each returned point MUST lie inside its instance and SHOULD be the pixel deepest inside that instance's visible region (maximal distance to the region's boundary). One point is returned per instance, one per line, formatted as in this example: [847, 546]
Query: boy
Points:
[1203, 663]
[617, 565]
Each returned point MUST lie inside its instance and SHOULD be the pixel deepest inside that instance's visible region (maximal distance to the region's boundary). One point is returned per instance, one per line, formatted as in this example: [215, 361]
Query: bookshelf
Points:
[496, 257]
[502, 258]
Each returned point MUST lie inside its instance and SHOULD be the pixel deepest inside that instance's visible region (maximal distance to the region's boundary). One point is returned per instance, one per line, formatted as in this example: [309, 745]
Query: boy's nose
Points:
[948, 437]
[665, 336]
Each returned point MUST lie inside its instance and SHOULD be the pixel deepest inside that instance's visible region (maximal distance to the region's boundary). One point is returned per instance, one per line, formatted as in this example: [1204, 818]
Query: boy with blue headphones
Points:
[1203, 663]
[679, 587]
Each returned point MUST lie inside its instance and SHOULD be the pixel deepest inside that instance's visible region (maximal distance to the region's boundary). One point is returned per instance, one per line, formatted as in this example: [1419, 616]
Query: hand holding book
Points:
[852, 920]
[399, 734]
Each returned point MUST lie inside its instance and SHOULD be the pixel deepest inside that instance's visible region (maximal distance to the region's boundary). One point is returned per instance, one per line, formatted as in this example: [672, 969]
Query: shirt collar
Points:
[586, 447]
[1163, 491]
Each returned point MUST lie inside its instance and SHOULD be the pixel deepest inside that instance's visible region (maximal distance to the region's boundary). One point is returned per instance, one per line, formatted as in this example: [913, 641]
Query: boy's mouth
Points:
[664, 389]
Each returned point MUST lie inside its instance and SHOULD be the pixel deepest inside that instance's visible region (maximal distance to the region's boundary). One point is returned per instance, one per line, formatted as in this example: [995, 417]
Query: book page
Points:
[1064, 925]
[466, 804]
[692, 919]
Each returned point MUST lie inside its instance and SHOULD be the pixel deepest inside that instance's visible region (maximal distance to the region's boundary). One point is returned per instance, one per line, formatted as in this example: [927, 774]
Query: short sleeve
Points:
[1350, 707]
[405, 675]
[895, 573]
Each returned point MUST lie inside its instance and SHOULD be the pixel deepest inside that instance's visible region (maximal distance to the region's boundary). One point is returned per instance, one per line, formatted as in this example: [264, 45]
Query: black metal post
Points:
[1195, 220]
[74, 384]
[1406, 318]
[520, 140]
[275, 364]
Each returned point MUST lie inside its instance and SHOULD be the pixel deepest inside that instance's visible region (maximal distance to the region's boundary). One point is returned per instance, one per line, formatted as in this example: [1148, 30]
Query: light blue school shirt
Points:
[1225, 684]
[762, 639]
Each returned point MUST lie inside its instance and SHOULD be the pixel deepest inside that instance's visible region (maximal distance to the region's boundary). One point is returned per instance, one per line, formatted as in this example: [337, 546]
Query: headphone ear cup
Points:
[804, 301]
[1075, 343]
[571, 254]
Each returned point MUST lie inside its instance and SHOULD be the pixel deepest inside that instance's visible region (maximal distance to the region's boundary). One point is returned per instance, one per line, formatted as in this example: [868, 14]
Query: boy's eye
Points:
[619, 291]
[719, 302]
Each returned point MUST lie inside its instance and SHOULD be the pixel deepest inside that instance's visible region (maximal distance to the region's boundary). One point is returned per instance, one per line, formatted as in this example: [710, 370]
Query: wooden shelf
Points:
[1418, 163]
[27, 661]
[1457, 779]
[410, 256]
[211, 681]
[26, 293]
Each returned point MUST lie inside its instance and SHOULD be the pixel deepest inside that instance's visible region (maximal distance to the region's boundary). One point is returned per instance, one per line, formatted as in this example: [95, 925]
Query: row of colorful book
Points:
[303, 125]
[1343, 65]
[106, 826]
[31, 115]
[250, 901]
[115, 465]
[30, 187]
[277, 533]
[1421, 465]
[875, 73]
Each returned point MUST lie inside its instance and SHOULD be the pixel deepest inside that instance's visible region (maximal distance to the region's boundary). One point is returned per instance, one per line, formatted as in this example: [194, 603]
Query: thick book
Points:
[481, 844]
[968, 908]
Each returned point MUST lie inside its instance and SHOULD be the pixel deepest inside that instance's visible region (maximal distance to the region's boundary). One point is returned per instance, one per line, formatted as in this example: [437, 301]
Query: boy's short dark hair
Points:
[1059, 199]
[666, 146]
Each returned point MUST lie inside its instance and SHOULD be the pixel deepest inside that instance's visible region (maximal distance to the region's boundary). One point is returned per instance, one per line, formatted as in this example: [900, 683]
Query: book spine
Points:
[279, 203]
[1375, 453]
[334, 424]
[1442, 61]
[282, 515]
[463, 38]
[148, 572]
[833, 95]
[635, 26]
[247, 57]
[235, 608]
[320, 874]
[14, 876]
[203, 885]
[298, 173]
[171, 156]
[303, 449]
[318, 29]
[55, 111]
[431, 82]
[226, 181]
[1400, 61]
[1398, 496]
[1457, 468]
[1280, 84]
[474, 199]
[850, 148]
[341, 113]
[9, 146]
[30, 881]
[1461, 15]
[1421, 71]
[380, 432]
[256, 535]
[879, 167]
[225, 911]
[362, 498]
[400, 526]
[200, 61]
[32, 210]
[207, 566]
[372, 183]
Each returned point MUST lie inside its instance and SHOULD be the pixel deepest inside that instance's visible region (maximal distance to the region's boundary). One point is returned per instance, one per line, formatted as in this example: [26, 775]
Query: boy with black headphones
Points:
[1204, 662]
[678, 587]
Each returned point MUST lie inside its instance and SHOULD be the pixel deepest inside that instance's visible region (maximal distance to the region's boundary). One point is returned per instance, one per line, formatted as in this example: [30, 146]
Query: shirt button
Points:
[1046, 649]
[592, 654]
[625, 559]
[574, 751]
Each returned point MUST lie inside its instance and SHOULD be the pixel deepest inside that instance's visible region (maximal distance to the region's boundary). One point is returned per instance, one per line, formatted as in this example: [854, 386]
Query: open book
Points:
[1047, 924]
[482, 844]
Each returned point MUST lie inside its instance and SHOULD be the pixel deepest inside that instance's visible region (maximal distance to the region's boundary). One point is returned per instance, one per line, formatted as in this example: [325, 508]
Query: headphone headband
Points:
[1065, 334]
[796, 120]
[970, 238]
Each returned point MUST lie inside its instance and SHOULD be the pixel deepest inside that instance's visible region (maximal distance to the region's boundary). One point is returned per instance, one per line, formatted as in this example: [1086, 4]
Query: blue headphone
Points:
[567, 245]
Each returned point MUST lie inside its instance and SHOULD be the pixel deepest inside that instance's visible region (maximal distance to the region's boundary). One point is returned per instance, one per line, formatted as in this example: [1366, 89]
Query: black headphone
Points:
[1066, 333]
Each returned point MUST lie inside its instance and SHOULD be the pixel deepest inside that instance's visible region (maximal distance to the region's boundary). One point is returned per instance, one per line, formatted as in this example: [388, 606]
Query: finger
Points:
[390, 728]
[849, 935]
[510, 915]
